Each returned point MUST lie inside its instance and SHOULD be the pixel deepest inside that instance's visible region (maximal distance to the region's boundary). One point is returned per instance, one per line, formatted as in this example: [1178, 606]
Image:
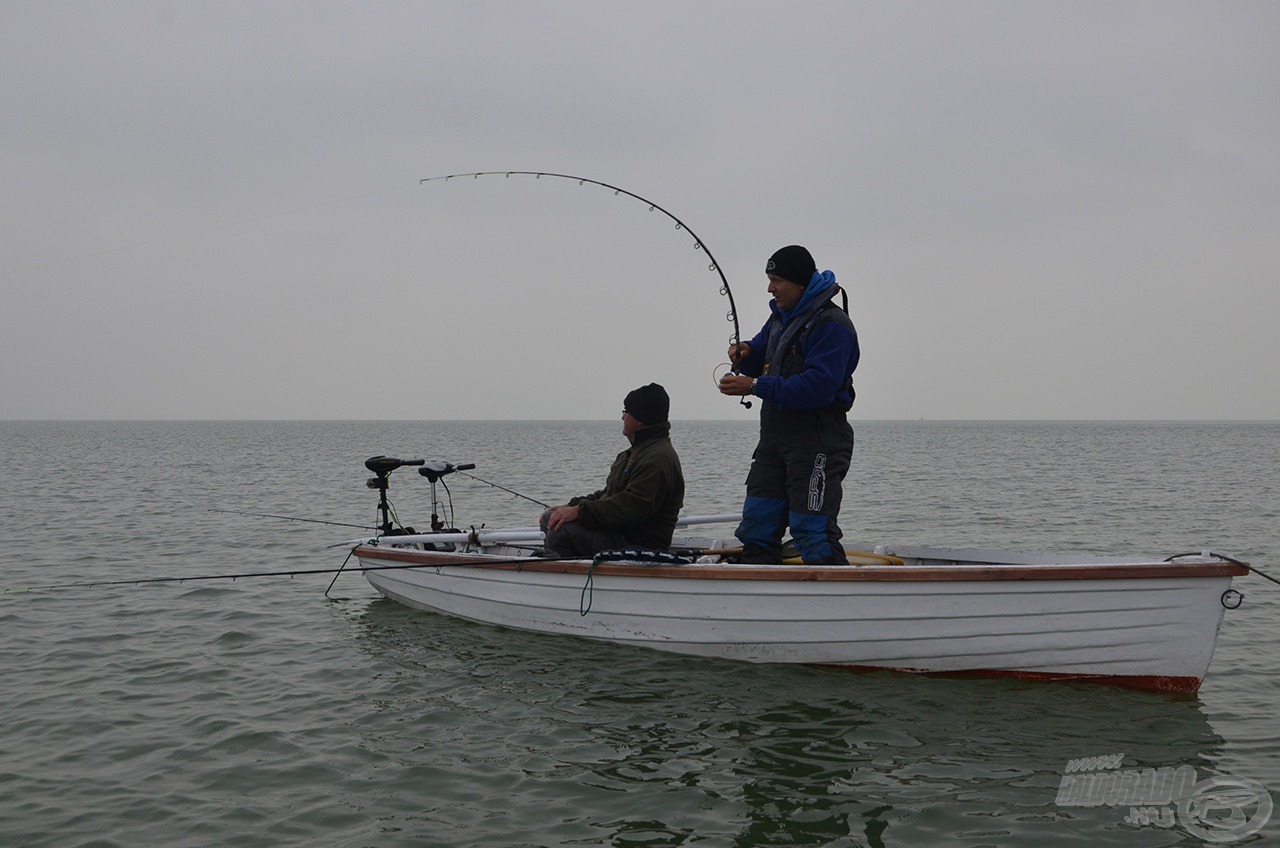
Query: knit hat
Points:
[793, 263]
[648, 404]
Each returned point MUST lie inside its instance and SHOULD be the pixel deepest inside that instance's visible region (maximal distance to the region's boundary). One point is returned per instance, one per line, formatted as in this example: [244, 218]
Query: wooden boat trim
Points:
[851, 573]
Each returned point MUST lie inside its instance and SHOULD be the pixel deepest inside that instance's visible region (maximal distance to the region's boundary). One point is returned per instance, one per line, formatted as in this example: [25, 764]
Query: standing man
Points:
[642, 496]
[801, 366]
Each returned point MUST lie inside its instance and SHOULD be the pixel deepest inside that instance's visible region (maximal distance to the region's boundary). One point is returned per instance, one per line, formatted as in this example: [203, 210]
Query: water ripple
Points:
[260, 713]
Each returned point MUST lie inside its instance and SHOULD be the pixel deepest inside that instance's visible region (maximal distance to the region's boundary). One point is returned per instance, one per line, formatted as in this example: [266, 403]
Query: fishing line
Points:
[698, 243]
[503, 488]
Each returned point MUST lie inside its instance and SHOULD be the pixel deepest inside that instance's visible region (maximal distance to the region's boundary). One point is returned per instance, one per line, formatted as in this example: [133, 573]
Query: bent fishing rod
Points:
[698, 243]
[293, 518]
[503, 488]
[302, 572]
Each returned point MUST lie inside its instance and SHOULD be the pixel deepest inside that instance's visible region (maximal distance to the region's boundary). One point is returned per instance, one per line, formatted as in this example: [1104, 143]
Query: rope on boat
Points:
[350, 554]
[1262, 574]
[630, 555]
[588, 589]
[1229, 559]
[1245, 565]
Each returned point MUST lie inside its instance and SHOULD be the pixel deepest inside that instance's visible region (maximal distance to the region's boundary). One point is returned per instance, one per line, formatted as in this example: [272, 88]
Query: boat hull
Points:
[1150, 626]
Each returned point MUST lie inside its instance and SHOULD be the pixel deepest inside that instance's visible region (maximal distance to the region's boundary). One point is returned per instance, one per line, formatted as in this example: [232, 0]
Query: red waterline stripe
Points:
[1150, 683]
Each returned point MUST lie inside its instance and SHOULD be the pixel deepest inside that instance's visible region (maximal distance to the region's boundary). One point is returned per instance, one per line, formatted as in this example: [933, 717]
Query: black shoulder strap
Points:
[808, 325]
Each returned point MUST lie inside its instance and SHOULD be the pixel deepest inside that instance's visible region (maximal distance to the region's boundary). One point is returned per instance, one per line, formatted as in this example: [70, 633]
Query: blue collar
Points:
[819, 284]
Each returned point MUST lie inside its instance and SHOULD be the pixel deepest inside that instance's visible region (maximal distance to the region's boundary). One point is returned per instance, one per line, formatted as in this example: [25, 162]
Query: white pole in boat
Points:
[514, 534]
[723, 518]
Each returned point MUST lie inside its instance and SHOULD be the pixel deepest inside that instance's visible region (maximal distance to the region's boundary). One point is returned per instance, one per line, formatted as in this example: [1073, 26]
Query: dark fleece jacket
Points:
[644, 492]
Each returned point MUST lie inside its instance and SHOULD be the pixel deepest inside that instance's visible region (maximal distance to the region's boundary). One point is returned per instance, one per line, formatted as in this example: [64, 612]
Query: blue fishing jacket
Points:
[826, 341]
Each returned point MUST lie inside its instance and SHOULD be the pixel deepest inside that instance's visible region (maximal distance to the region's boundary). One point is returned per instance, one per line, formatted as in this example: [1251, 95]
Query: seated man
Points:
[642, 496]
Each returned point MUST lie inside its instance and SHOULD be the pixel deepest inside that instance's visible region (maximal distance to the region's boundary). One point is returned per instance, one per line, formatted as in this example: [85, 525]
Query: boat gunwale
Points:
[958, 572]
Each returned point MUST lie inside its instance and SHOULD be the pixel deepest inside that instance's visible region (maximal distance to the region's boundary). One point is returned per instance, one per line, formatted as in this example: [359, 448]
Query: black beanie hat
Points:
[793, 263]
[648, 404]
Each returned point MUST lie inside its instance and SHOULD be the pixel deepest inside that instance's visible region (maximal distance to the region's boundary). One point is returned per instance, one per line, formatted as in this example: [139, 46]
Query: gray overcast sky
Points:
[1039, 210]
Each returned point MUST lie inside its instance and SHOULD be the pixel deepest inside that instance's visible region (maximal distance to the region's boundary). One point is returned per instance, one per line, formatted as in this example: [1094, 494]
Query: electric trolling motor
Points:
[382, 466]
[433, 471]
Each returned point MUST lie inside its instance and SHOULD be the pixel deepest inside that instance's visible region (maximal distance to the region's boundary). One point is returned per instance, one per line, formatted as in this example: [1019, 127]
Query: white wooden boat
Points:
[1144, 623]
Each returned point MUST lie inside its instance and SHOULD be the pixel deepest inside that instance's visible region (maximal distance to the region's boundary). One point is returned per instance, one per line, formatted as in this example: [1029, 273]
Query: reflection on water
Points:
[627, 746]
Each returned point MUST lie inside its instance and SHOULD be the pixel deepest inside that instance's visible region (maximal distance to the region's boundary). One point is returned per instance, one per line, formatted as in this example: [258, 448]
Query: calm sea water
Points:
[261, 713]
